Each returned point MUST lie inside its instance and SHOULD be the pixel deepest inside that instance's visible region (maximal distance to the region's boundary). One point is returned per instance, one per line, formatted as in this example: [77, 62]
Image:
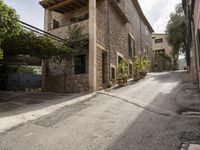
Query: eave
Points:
[62, 6]
[120, 11]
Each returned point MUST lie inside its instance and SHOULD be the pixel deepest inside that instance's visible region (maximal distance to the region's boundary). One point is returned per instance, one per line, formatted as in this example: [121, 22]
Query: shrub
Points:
[141, 65]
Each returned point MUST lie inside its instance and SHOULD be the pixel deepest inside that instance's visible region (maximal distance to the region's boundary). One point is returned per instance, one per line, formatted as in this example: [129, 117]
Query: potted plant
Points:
[122, 73]
[141, 66]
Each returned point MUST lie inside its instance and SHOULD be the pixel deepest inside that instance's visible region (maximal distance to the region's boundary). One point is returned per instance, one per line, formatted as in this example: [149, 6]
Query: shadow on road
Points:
[13, 103]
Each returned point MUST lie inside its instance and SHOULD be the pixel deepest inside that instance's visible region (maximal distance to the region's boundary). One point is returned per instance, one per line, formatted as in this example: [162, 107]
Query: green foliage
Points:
[9, 21]
[176, 30]
[25, 69]
[8, 69]
[77, 41]
[141, 65]
[1, 53]
[165, 56]
[28, 43]
[110, 84]
[122, 70]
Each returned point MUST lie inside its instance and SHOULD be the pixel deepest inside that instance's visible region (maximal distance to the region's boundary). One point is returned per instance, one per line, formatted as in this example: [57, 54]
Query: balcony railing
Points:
[66, 22]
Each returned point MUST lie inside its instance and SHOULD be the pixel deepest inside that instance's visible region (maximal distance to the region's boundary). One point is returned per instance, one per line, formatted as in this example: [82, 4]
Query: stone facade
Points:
[160, 62]
[192, 13]
[115, 22]
[196, 18]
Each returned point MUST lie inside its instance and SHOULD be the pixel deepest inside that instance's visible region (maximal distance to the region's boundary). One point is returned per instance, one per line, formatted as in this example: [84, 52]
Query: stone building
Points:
[117, 29]
[163, 54]
[192, 13]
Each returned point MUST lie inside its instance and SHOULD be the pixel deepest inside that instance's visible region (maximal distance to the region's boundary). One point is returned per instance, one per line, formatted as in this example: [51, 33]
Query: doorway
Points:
[104, 67]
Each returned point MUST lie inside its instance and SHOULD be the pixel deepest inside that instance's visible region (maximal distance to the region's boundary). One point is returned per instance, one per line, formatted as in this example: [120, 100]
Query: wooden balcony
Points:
[62, 31]
[63, 6]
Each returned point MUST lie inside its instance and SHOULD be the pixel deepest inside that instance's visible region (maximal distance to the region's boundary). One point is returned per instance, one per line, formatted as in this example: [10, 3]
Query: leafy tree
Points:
[9, 21]
[176, 33]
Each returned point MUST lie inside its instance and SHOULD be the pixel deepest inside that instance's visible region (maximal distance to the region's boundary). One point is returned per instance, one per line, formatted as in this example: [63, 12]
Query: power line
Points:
[37, 30]
[57, 38]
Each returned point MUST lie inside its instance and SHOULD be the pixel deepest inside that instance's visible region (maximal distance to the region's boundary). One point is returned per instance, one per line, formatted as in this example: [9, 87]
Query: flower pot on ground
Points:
[122, 73]
[141, 67]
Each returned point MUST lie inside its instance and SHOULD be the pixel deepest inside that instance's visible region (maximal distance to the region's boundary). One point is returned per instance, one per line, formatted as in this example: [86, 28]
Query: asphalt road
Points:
[110, 123]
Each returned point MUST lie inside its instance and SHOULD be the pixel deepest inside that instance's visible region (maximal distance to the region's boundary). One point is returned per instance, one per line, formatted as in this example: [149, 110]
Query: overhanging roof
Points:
[63, 5]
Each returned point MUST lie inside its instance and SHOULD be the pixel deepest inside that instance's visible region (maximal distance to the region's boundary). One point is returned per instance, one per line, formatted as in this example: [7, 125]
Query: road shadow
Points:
[13, 103]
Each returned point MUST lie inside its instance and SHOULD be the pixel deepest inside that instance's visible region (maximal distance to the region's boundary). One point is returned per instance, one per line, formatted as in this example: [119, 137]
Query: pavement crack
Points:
[146, 106]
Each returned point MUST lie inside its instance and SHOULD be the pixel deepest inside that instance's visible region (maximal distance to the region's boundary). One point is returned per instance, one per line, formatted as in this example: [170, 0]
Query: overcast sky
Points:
[156, 11]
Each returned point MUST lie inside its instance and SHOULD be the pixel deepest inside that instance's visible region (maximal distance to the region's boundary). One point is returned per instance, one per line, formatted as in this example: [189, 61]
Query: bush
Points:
[122, 70]
[141, 66]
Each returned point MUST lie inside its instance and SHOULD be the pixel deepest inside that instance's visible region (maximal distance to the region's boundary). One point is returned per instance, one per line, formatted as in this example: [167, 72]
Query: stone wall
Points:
[196, 18]
[61, 76]
[112, 33]
[112, 39]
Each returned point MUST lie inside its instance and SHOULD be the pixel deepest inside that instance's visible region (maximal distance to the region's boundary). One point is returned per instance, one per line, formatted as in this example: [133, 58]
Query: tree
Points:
[9, 21]
[176, 33]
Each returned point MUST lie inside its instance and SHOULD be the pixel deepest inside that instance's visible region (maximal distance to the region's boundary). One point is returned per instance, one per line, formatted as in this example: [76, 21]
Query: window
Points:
[147, 49]
[131, 45]
[130, 69]
[159, 40]
[120, 59]
[112, 73]
[160, 51]
[55, 24]
[80, 64]
[118, 1]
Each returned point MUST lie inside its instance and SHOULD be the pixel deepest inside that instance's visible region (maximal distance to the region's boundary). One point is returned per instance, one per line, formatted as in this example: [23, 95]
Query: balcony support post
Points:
[47, 19]
[92, 45]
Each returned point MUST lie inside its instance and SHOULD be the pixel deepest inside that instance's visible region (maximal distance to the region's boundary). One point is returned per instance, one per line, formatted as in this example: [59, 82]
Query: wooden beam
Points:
[21, 61]
[61, 4]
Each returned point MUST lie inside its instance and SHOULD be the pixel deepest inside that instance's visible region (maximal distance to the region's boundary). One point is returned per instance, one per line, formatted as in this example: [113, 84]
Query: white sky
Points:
[156, 11]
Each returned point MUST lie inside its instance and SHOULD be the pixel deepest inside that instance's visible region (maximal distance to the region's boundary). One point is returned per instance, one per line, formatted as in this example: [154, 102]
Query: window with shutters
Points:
[131, 45]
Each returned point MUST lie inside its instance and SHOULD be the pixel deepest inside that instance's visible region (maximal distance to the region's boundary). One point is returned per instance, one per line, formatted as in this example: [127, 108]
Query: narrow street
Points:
[107, 122]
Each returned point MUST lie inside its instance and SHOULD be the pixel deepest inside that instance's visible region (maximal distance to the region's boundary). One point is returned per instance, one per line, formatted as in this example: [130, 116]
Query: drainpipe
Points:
[141, 36]
[108, 20]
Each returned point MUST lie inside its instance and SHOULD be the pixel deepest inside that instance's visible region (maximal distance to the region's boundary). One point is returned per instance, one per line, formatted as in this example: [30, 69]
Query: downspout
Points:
[108, 20]
[141, 36]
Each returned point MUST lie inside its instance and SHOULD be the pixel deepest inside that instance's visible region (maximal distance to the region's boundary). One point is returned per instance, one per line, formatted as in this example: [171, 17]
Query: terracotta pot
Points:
[121, 82]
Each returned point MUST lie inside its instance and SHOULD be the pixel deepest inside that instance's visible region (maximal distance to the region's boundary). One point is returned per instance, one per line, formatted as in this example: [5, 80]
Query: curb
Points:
[140, 104]
[7, 123]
